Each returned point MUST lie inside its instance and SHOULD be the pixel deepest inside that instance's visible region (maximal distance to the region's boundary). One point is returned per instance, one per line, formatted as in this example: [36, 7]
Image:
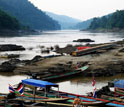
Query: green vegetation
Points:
[113, 22]
[8, 22]
[28, 14]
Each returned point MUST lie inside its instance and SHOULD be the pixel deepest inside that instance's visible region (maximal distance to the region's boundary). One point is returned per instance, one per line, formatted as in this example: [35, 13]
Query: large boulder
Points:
[14, 61]
[68, 49]
[83, 40]
[11, 47]
[7, 67]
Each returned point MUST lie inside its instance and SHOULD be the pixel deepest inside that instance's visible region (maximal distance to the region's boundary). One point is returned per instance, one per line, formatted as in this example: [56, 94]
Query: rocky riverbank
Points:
[106, 63]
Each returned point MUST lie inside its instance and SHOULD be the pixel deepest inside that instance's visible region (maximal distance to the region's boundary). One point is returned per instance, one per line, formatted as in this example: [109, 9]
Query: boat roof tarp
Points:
[119, 84]
[83, 47]
[38, 83]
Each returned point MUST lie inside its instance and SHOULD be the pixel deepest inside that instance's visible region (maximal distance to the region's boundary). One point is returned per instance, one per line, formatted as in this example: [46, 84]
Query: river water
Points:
[79, 85]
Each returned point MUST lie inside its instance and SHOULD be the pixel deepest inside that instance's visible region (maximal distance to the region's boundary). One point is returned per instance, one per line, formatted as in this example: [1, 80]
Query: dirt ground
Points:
[96, 61]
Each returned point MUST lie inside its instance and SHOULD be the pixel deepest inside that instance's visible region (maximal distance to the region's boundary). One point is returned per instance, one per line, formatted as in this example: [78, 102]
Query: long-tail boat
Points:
[92, 49]
[68, 74]
[47, 91]
[116, 96]
[42, 91]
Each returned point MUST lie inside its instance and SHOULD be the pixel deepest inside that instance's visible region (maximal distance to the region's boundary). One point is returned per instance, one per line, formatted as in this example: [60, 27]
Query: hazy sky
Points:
[81, 9]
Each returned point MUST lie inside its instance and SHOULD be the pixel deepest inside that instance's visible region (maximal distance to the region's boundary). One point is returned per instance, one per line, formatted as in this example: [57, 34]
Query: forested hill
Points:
[28, 14]
[113, 22]
[83, 25]
[8, 22]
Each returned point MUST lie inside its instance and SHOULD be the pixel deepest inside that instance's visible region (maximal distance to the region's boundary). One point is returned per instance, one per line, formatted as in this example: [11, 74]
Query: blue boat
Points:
[58, 96]
[87, 101]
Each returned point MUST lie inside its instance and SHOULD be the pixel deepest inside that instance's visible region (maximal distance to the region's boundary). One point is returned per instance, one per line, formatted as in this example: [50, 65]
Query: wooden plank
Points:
[113, 98]
[61, 104]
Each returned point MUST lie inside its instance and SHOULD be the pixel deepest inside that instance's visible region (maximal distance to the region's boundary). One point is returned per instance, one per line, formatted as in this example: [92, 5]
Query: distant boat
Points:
[9, 56]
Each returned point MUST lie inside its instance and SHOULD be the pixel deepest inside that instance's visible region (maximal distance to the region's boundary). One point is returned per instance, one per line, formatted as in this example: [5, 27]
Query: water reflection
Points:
[83, 85]
[6, 80]
[78, 85]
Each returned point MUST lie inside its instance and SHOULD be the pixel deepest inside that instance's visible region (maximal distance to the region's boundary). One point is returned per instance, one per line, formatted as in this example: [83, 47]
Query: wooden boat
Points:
[93, 49]
[7, 56]
[30, 101]
[48, 93]
[112, 98]
[92, 103]
[68, 74]
[69, 100]
[87, 101]
[116, 97]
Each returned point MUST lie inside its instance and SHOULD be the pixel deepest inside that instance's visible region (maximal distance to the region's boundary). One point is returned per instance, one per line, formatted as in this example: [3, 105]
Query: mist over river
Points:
[79, 85]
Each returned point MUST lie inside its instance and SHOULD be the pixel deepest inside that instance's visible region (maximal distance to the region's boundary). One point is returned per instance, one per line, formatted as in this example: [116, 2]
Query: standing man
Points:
[77, 102]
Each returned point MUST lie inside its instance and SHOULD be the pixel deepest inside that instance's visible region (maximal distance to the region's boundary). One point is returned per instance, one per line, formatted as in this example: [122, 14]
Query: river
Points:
[33, 43]
[79, 85]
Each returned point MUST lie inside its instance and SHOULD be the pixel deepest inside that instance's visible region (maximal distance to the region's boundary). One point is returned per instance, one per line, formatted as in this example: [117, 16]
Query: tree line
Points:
[8, 22]
[111, 21]
[29, 15]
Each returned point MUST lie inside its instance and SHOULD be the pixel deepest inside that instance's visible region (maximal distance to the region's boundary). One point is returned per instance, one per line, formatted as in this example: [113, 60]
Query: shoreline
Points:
[12, 33]
[108, 63]
[105, 30]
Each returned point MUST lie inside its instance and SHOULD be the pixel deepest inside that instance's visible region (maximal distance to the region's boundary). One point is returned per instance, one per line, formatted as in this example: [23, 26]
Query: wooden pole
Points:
[58, 91]
[23, 90]
[45, 92]
[115, 91]
[34, 92]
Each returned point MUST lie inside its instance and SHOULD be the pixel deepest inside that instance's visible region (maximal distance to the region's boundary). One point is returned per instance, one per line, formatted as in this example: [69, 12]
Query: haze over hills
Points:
[83, 25]
[29, 15]
[66, 22]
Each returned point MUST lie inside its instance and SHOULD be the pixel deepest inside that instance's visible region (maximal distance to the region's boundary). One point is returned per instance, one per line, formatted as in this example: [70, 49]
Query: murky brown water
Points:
[78, 85]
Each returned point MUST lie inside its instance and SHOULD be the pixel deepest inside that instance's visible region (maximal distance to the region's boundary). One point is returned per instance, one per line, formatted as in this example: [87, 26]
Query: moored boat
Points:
[67, 74]
[47, 91]
[42, 91]
[94, 49]
[116, 97]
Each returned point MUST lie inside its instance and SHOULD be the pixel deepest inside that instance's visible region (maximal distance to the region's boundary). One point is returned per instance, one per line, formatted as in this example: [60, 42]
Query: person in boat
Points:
[90, 94]
[77, 102]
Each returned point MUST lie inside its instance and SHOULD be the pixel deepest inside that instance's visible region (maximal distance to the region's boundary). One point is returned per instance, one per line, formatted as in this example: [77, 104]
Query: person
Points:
[77, 102]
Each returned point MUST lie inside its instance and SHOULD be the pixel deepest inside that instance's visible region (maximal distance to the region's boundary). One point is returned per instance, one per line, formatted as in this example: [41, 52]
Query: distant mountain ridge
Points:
[29, 15]
[66, 22]
[83, 25]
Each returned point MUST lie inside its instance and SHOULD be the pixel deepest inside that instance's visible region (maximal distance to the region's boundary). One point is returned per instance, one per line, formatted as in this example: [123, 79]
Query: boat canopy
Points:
[38, 83]
[83, 47]
[119, 84]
